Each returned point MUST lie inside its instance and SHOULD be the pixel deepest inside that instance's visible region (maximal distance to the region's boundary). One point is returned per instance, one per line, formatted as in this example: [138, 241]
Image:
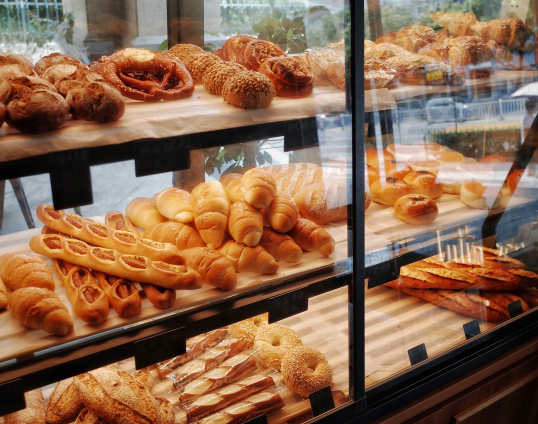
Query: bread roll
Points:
[180, 235]
[280, 246]
[372, 174]
[479, 196]
[19, 270]
[249, 259]
[216, 75]
[34, 413]
[258, 187]
[3, 295]
[374, 155]
[57, 59]
[310, 236]
[13, 59]
[232, 184]
[245, 224]
[416, 209]
[388, 191]
[176, 204]
[199, 63]
[143, 212]
[392, 168]
[324, 202]
[98, 102]
[424, 182]
[249, 90]
[211, 212]
[214, 268]
[282, 213]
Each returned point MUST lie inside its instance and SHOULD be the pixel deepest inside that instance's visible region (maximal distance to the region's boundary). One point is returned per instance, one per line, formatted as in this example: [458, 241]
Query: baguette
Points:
[226, 372]
[195, 347]
[221, 398]
[180, 235]
[122, 294]
[64, 402]
[159, 296]
[249, 259]
[211, 212]
[18, 270]
[310, 236]
[258, 187]
[282, 213]
[40, 309]
[167, 413]
[280, 246]
[177, 204]
[3, 295]
[144, 376]
[102, 235]
[530, 296]
[88, 417]
[131, 267]
[143, 212]
[34, 413]
[232, 185]
[118, 221]
[214, 268]
[245, 224]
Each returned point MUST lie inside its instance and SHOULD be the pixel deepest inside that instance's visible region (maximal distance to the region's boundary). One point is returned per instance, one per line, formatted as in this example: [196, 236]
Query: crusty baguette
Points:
[530, 296]
[136, 268]
[3, 295]
[118, 221]
[195, 347]
[88, 417]
[41, 309]
[180, 235]
[102, 235]
[226, 372]
[282, 213]
[310, 236]
[143, 212]
[249, 259]
[34, 413]
[323, 202]
[213, 266]
[245, 223]
[159, 296]
[19, 270]
[121, 293]
[232, 185]
[64, 402]
[177, 204]
[144, 376]
[280, 246]
[258, 187]
[211, 212]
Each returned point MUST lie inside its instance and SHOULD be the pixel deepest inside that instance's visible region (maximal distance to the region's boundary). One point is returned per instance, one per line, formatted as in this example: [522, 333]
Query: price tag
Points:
[471, 329]
[515, 309]
[70, 178]
[158, 156]
[160, 347]
[300, 134]
[287, 305]
[417, 354]
[321, 401]
[260, 419]
[12, 395]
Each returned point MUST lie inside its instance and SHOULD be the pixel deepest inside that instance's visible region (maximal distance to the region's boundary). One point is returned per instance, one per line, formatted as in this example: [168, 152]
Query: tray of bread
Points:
[230, 375]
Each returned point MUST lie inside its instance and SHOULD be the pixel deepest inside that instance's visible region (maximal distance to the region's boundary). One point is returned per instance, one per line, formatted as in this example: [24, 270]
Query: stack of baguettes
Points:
[481, 289]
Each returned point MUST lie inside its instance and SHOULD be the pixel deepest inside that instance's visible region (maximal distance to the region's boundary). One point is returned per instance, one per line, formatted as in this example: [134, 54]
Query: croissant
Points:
[180, 235]
[3, 295]
[385, 50]
[249, 259]
[19, 270]
[41, 309]
[282, 213]
[232, 185]
[258, 187]
[143, 212]
[423, 70]
[505, 58]
[174, 203]
[211, 212]
[437, 51]
[469, 55]
[457, 23]
[280, 246]
[388, 37]
[498, 30]
[214, 268]
[519, 33]
[310, 236]
[245, 223]
[415, 36]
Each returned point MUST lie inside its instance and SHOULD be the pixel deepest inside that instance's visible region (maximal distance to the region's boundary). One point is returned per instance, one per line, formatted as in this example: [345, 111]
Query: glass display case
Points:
[266, 211]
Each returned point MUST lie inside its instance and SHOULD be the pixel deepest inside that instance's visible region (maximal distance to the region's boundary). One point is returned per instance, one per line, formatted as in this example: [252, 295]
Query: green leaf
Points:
[260, 158]
[287, 24]
[163, 47]
[213, 33]
[259, 27]
[270, 31]
[268, 157]
[289, 35]
[277, 14]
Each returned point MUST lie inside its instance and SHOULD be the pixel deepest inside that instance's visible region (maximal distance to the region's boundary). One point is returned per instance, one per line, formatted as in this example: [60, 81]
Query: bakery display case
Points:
[261, 211]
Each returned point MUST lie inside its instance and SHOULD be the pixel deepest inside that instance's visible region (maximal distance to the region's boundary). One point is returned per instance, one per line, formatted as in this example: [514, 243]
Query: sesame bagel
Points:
[273, 342]
[306, 370]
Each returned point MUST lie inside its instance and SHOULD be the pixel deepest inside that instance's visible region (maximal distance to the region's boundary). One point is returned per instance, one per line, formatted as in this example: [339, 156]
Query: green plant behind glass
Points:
[241, 157]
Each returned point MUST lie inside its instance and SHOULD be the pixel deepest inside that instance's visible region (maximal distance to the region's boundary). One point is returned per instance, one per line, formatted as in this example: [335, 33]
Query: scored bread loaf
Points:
[214, 268]
[143, 212]
[34, 413]
[245, 223]
[211, 212]
[19, 270]
[282, 213]
[3, 295]
[174, 203]
[258, 187]
[310, 236]
[64, 402]
[40, 309]
[323, 202]
[280, 246]
[249, 259]
[180, 235]
[232, 184]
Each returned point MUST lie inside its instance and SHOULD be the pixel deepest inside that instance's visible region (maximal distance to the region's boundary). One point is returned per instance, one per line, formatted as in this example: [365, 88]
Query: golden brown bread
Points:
[98, 102]
[175, 204]
[310, 236]
[417, 209]
[248, 90]
[423, 70]
[217, 74]
[214, 268]
[413, 37]
[378, 74]
[198, 63]
[34, 413]
[249, 259]
[57, 59]
[383, 51]
[232, 184]
[3, 295]
[64, 402]
[498, 30]
[323, 202]
[457, 23]
[180, 235]
[13, 59]
[280, 246]
[258, 187]
[143, 212]
[40, 309]
[470, 56]
[282, 213]
[530, 296]
[436, 50]
[387, 37]
[211, 212]
[159, 296]
[118, 221]
[122, 294]
[245, 223]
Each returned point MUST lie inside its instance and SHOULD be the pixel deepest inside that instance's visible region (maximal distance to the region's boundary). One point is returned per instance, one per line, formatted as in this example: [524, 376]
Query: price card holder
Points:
[260, 419]
[158, 156]
[515, 309]
[417, 354]
[287, 305]
[160, 347]
[70, 178]
[300, 134]
[321, 401]
[12, 395]
[471, 329]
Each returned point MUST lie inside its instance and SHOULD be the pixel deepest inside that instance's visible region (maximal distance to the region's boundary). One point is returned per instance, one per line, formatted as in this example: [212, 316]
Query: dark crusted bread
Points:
[21, 63]
[57, 59]
[97, 102]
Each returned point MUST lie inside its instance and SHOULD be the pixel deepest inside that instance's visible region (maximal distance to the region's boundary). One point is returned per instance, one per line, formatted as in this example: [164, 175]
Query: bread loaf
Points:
[19, 270]
[211, 213]
[280, 246]
[249, 259]
[180, 235]
[64, 402]
[97, 101]
[310, 236]
[323, 202]
[214, 268]
[258, 187]
[176, 204]
[57, 59]
[18, 61]
[245, 223]
[34, 413]
[282, 213]
[41, 309]
[143, 212]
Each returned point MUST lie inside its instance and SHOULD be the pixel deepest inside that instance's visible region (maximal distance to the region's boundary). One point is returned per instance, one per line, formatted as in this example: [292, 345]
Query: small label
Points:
[70, 179]
[321, 401]
[158, 156]
[12, 395]
[160, 347]
[417, 354]
[515, 309]
[300, 134]
[260, 419]
[471, 329]
[287, 305]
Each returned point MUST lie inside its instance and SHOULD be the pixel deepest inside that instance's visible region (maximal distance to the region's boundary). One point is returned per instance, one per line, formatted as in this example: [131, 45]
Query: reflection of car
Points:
[445, 109]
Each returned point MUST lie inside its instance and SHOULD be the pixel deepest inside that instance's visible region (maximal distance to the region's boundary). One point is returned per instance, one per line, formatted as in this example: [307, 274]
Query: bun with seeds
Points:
[217, 75]
[249, 90]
